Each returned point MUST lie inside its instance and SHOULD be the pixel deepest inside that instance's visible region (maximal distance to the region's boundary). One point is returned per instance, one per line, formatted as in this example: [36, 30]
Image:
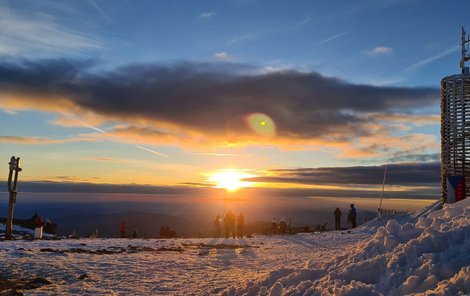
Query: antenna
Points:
[465, 57]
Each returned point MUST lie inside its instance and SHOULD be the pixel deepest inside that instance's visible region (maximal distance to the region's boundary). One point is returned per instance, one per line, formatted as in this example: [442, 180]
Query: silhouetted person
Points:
[282, 227]
[353, 216]
[134, 234]
[35, 216]
[166, 232]
[274, 226]
[240, 225]
[229, 221]
[218, 226]
[39, 221]
[123, 229]
[337, 219]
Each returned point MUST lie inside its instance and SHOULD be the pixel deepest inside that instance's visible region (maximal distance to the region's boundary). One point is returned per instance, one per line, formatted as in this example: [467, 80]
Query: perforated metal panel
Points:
[455, 129]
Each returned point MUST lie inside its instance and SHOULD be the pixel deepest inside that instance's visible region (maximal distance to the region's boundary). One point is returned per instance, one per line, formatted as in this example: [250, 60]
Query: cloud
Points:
[249, 36]
[209, 102]
[414, 119]
[98, 9]
[331, 38]
[378, 51]
[106, 159]
[207, 14]
[24, 32]
[432, 59]
[40, 140]
[69, 184]
[9, 112]
[384, 144]
[223, 56]
[405, 174]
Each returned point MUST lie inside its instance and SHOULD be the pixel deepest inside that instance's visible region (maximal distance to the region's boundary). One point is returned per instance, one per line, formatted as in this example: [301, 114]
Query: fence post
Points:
[13, 174]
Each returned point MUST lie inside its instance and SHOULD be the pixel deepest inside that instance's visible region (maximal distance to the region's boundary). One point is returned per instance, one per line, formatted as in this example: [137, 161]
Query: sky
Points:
[306, 95]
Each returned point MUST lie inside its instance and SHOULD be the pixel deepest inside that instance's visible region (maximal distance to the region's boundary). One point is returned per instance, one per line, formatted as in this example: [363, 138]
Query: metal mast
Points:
[464, 56]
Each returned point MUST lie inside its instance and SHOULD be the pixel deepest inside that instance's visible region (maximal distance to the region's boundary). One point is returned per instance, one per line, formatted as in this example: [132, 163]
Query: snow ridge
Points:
[423, 253]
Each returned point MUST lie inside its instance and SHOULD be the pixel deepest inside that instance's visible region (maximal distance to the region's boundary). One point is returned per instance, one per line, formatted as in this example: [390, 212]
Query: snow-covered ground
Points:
[426, 252]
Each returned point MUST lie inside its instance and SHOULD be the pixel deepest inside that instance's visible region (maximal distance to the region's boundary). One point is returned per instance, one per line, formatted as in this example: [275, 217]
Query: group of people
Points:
[122, 230]
[166, 232]
[352, 216]
[229, 221]
[278, 228]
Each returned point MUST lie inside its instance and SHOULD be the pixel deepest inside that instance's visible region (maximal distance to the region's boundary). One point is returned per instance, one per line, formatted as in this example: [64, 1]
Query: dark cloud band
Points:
[212, 98]
[404, 174]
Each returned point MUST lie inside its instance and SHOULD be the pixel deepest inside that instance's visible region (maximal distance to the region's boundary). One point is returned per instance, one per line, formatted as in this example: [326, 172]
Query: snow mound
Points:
[19, 232]
[422, 253]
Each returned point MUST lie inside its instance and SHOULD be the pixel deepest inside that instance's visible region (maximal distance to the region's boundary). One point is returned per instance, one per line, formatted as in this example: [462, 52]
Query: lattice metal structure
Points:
[455, 124]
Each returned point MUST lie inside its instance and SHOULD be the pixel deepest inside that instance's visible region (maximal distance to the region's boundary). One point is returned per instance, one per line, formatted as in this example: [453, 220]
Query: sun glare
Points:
[231, 180]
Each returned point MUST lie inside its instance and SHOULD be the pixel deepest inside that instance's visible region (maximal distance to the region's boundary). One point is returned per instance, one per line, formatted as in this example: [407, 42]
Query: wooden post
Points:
[383, 188]
[14, 168]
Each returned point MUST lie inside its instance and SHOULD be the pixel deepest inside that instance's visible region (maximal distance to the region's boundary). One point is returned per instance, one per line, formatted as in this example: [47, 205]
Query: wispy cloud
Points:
[98, 9]
[106, 159]
[331, 38]
[432, 59]
[207, 14]
[223, 56]
[248, 36]
[152, 151]
[379, 51]
[10, 112]
[24, 32]
[40, 140]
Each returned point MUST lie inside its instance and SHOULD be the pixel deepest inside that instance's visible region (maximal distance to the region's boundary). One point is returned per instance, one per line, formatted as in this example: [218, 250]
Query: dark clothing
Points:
[217, 226]
[123, 229]
[282, 227]
[353, 216]
[274, 227]
[240, 225]
[338, 219]
[229, 221]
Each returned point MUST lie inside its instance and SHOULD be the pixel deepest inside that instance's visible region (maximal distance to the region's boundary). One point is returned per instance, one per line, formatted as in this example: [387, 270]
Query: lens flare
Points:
[261, 124]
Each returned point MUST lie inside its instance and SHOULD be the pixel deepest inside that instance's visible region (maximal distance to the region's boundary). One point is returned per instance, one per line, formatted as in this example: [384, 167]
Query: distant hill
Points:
[149, 224]
[85, 218]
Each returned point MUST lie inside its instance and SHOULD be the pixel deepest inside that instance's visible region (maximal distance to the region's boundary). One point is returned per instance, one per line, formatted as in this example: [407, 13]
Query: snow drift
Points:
[424, 253]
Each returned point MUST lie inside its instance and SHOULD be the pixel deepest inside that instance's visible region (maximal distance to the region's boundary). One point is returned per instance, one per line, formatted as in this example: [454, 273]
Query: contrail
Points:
[118, 139]
[152, 151]
[94, 128]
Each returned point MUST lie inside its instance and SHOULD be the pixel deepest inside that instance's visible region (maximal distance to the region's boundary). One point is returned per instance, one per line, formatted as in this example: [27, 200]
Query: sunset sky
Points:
[283, 94]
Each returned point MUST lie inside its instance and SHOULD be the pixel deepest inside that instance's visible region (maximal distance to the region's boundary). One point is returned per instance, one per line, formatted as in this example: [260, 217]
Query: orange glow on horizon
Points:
[230, 179]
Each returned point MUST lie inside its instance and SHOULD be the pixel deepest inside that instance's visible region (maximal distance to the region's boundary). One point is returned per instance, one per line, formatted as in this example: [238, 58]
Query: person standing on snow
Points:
[274, 226]
[240, 225]
[123, 229]
[338, 219]
[229, 221]
[282, 227]
[353, 216]
[217, 226]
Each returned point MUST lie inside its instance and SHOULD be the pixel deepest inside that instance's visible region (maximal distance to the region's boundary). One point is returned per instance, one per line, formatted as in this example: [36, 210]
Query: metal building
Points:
[455, 131]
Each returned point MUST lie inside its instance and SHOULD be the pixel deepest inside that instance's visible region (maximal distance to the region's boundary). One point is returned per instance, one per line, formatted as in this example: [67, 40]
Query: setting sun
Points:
[229, 179]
